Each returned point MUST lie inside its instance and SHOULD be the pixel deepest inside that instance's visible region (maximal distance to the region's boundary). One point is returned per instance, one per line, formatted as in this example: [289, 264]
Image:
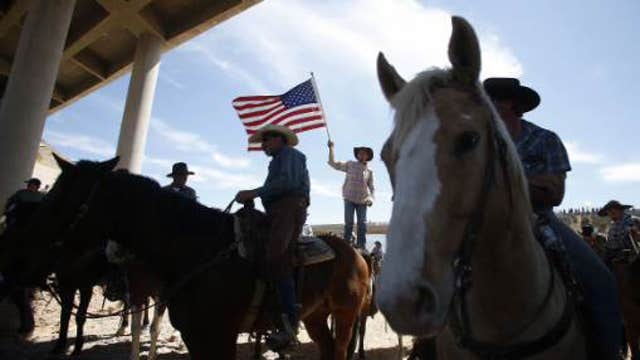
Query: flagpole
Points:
[324, 114]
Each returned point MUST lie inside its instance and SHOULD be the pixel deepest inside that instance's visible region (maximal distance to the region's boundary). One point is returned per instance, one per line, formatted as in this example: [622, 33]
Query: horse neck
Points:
[510, 276]
[148, 228]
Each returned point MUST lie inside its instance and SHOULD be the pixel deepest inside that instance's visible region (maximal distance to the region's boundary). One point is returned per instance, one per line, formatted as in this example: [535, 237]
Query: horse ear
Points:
[390, 81]
[464, 51]
[110, 164]
[62, 163]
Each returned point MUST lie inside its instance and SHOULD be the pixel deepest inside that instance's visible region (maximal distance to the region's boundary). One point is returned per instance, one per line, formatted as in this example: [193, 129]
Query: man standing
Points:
[624, 229]
[21, 297]
[357, 190]
[30, 194]
[546, 164]
[285, 197]
[180, 172]
[593, 239]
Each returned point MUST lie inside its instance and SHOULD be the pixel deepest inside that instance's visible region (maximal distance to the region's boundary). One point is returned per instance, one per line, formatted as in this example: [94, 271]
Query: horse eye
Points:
[466, 142]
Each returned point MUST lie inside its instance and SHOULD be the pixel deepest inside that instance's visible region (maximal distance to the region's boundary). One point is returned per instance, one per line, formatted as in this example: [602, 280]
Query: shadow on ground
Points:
[16, 349]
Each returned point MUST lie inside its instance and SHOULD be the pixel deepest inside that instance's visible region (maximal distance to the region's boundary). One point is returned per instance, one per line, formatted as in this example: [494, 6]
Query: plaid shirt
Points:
[541, 151]
[619, 233]
[358, 185]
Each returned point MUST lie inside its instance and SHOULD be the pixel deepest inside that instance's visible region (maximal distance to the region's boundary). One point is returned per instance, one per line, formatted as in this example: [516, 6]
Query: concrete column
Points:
[29, 89]
[137, 111]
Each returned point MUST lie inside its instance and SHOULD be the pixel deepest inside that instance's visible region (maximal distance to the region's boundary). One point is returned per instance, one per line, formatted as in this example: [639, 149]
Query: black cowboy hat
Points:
[34, 181]
[613, 204]
[510, 88]
[368, 150]
[180, 168]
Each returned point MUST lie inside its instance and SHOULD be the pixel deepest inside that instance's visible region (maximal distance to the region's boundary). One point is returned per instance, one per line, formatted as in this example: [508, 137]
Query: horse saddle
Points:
[313, 250]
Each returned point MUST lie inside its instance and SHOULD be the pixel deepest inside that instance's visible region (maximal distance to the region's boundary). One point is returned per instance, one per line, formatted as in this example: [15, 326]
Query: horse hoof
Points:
[120, 332]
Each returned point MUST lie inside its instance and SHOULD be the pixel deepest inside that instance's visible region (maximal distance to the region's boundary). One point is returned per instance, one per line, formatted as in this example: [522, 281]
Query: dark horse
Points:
[186, 244]
[79, 267]
[72, 274]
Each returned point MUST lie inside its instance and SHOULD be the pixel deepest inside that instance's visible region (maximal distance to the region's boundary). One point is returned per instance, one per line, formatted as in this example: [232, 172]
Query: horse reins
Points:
[460, 320]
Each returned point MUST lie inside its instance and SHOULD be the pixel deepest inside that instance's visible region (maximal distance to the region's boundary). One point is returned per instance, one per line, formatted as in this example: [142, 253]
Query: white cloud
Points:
[192, 142]
[83, 143]
[200, 49]
[164, 76]
[629, 172]
[325, 190]
[579, 155]
[346, 36]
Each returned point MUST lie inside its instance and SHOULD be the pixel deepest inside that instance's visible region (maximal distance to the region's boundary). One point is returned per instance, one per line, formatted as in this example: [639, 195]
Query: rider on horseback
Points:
[545, 162]
[624, 230]
[285, 196]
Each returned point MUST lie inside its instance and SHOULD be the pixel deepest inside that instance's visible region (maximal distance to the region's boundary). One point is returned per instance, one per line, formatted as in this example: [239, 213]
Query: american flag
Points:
[298, 109]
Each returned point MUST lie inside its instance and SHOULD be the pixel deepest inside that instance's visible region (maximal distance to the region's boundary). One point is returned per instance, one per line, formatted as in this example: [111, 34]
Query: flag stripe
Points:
[296, 118]
[260, 112]
[249, 105]
[276, 116]
[243, 99]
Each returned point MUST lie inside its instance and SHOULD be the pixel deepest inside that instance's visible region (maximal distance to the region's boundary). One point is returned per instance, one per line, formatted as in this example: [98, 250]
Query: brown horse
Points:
[208, 287]
[462, 261]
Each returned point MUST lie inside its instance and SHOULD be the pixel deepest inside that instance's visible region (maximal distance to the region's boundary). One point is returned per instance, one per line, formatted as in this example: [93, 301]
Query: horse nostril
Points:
[426, 299]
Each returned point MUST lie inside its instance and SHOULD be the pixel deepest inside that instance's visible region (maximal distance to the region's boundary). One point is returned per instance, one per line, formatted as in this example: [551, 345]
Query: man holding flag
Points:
[272, 123]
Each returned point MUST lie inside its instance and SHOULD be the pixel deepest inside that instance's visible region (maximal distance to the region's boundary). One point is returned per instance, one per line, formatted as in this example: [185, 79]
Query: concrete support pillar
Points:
[137, 112]
[29, 89]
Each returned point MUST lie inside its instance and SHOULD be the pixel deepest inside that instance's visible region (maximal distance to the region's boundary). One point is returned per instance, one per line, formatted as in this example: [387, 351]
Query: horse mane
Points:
[195, 219]
[413, 101]
[410, 102]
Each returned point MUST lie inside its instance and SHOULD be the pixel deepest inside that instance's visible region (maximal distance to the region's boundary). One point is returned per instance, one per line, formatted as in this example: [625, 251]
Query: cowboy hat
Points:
[368, 150]
[510, 88]
[292, 138]
[180, 168]
[613, 204]
[34, 181]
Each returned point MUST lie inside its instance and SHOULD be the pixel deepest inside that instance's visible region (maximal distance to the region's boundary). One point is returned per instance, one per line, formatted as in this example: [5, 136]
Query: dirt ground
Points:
[101, 344]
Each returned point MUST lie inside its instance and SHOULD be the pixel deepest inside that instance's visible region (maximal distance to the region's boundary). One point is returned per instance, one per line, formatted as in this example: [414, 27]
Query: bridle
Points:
[462, 268]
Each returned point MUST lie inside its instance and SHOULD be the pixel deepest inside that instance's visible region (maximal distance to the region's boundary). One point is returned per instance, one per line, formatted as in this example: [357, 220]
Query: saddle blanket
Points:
[313, 250]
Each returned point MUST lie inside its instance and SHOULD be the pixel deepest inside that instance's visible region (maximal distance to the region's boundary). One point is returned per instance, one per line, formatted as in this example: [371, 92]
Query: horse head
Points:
[448, 157]
[53, 224]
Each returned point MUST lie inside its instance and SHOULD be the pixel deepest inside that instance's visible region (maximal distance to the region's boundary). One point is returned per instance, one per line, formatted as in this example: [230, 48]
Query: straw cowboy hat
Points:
[180, 168]
[368, 150]
[613, 204]
[292, 138]
[510, 88]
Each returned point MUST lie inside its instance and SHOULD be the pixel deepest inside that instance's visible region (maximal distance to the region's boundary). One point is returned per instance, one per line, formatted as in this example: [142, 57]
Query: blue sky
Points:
[581, 56]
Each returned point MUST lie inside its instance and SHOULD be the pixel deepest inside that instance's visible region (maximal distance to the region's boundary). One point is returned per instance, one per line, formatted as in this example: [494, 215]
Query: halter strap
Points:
[462, 268]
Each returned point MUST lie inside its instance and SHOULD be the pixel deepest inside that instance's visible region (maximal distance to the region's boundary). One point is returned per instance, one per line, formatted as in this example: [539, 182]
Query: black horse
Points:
[72, 273]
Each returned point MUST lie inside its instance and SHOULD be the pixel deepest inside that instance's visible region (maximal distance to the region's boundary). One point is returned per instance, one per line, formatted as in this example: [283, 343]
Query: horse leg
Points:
[400, 348]
[361, 333]
[22, 300]
[66, 298]
[81, 317]
[136, 329]
[124, 319]
[345, 320]
[154, 331]
[257, 347]
[145, 319]
[316, 325]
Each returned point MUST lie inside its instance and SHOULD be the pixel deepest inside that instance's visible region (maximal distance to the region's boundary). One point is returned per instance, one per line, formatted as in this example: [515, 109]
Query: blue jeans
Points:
[361, 212]
[600, 289]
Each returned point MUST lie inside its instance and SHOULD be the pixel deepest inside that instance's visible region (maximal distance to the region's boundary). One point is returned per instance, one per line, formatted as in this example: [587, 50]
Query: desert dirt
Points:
[101, 343]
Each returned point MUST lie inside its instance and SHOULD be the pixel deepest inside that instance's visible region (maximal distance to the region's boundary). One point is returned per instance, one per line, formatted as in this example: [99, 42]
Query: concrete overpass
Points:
[54, 52]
